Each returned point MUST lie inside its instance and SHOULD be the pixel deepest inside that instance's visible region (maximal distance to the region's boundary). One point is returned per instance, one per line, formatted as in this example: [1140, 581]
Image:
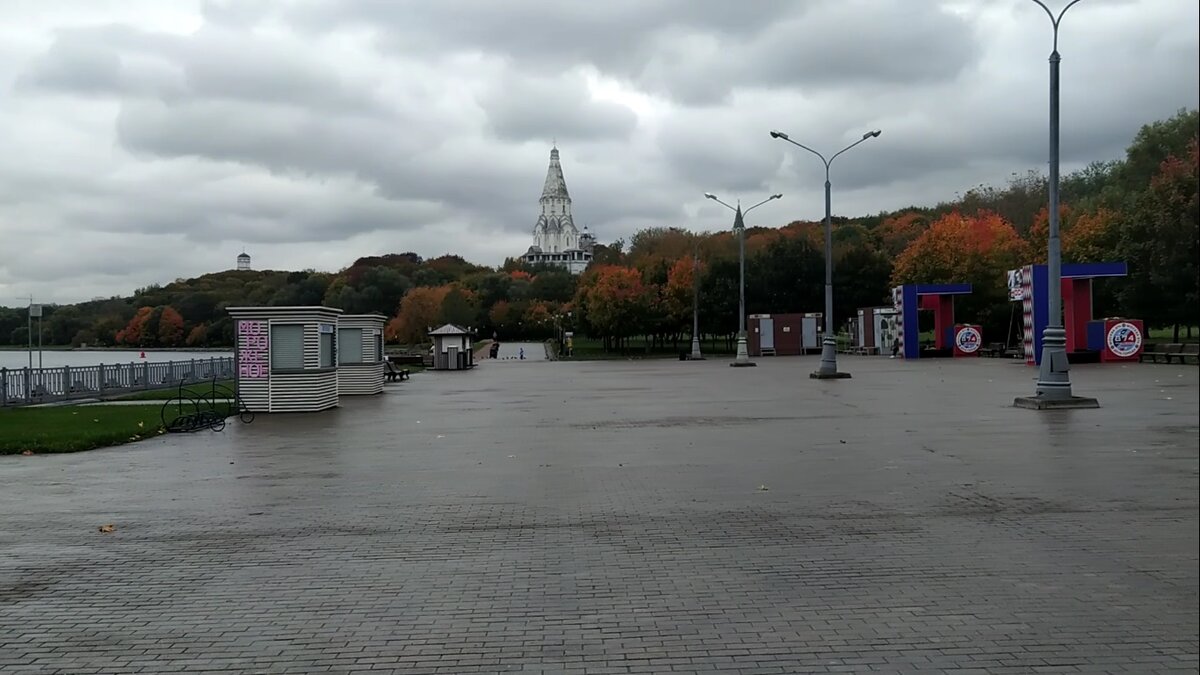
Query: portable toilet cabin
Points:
[360, 354]
[286, 358]
[782, 334]
[452, 348]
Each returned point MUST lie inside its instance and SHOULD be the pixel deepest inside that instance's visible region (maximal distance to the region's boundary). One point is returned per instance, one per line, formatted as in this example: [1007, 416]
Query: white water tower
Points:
[243, 262]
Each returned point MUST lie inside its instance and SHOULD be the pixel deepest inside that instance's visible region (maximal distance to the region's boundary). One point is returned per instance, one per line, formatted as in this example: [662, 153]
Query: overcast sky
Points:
[147, 140]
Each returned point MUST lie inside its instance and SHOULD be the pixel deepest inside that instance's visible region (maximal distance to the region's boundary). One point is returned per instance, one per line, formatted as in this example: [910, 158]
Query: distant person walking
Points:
[895, 346]
[522, 354]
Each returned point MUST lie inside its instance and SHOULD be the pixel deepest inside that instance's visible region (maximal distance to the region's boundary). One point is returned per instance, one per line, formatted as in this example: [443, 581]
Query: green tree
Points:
[459, 308]
[1161, 243]
[861, 278]
[553, 285]
[1153, 144]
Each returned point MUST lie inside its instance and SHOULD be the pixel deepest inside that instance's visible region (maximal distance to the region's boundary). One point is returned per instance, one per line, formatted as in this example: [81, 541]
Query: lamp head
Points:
[709, 195]
[872, 134]
[779, 134]
[777, 196]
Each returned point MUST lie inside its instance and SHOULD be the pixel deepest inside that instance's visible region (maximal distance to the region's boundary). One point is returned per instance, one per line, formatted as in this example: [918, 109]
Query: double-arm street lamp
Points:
[1054, 378]
[696, 355]
[828, 369]
[739, 226]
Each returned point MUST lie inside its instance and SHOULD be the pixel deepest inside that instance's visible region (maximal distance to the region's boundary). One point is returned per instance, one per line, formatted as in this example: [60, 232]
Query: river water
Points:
[55, 358]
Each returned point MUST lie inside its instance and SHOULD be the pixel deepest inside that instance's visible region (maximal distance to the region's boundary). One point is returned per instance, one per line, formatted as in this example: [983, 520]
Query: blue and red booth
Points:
[909, 299]
[1085, 335]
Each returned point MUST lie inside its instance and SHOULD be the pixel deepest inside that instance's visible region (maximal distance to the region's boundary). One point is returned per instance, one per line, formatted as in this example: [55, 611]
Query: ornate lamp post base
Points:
[828, 369]
[1054, 383]
[1040, 403]
[742, 360]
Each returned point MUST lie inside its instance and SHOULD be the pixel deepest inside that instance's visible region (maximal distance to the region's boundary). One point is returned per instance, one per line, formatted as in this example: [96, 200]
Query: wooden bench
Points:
[1166, 351]
[1189, 350]
[395, 374]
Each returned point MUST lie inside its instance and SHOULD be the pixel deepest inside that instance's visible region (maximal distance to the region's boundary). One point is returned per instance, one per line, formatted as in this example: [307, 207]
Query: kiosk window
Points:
[287, 346]
[350, 345]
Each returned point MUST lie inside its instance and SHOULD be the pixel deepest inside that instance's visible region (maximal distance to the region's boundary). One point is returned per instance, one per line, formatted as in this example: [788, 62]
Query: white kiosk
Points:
[286, 358]
[360, 354]
[452, 348]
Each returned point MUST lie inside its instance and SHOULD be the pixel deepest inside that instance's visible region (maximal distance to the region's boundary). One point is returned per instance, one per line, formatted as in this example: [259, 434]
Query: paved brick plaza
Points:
[608, 518]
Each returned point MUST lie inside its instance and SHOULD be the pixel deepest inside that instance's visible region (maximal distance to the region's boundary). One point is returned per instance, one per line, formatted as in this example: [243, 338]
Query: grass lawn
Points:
[195, 390]
[1164, 335]
[71, 428]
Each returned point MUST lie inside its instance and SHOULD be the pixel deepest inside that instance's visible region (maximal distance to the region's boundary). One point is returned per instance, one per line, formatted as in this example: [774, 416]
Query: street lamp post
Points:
[739, 225]
[1053, 388]
[828, 369]
[696, 355]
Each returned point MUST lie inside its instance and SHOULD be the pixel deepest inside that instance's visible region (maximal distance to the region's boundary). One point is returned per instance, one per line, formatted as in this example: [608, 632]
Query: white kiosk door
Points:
[766, 337]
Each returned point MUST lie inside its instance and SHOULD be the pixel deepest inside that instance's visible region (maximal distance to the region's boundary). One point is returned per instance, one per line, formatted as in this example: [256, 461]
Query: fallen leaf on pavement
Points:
[107, 528]
[28, 453]
[763, 488]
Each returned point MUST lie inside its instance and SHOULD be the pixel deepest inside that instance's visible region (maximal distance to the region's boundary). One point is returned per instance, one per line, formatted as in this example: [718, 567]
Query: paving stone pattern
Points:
[612, 518]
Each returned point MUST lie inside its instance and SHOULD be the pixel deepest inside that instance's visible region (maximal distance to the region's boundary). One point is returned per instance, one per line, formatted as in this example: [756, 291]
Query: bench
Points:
[1190, 350]
[395, 374]
[1166, 351]
[993, 350]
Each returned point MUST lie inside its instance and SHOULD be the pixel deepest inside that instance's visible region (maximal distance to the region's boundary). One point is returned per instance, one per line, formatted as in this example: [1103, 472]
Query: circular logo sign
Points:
[968, 340]
[1124, 339]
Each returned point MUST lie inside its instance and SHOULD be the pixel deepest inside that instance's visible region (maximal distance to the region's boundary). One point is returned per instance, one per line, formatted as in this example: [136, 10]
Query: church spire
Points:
[556, 185]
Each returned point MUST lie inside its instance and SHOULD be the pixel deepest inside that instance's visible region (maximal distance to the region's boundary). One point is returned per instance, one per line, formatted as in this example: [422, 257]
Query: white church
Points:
[556, 240]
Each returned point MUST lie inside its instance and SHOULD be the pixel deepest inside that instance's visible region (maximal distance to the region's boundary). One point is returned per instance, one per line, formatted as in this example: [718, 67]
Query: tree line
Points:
[1142, 208]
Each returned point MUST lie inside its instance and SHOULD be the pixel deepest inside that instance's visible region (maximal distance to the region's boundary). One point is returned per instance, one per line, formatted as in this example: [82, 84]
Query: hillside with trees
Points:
[1142, 208]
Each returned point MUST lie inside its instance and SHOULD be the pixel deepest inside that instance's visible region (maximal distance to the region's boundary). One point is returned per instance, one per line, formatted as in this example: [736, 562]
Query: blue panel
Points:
[1090, 270]
[943, 289]
[1041, 308]
[912, 329]
[1095, 335]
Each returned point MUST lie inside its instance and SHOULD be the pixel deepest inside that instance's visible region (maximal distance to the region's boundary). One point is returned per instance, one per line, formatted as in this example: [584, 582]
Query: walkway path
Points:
[631, 517]
[510, 351]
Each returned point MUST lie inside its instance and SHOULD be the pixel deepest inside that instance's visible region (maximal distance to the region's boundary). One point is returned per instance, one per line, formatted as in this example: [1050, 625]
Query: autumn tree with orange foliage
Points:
[1039, 232]
[977, 249]
[197, 336]
[895, 233]
[170, 327]
[538, 316]
[134, 332]
[501, 315]
[615, 301]
[420, 309]
[680, 290]
[1092, 237]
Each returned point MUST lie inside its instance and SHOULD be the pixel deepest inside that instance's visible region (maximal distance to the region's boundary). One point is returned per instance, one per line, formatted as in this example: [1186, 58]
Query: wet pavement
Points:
[630, 517]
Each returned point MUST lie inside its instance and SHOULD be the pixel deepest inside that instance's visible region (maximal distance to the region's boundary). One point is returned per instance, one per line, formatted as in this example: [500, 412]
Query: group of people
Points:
[495, 351]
